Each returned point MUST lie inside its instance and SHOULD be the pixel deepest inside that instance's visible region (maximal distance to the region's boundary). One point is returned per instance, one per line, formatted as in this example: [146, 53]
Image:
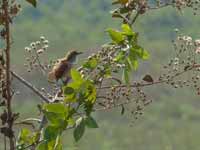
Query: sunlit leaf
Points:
[91, 63]
[42, 146]
[116, 36]
[55, 107]
[120, 56]
[127, 30]
[76, 76]
[145, 54]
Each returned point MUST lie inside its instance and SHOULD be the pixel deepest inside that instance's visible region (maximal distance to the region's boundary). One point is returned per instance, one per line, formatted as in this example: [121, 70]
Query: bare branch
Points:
[31, 87]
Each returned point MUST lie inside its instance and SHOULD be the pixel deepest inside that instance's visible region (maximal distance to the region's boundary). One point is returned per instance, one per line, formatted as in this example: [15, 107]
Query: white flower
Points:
[42, 38]
[33, 44]
[46, 42]
[197, 42]
[197, 51]
[40, 51]
[37, 42]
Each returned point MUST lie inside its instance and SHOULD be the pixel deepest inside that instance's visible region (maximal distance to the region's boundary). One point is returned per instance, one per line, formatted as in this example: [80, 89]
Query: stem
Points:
[8, 81]
[134, 19]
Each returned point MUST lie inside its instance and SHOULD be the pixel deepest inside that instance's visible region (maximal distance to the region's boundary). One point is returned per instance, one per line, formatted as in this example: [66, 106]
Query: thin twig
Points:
[31, 87]
[136, 16]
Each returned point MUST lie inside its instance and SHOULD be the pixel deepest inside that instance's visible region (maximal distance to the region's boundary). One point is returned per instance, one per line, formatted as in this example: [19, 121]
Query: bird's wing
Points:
[59, 70]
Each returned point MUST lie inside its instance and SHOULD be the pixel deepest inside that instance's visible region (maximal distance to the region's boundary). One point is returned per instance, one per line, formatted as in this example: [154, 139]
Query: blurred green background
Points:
[171, 122]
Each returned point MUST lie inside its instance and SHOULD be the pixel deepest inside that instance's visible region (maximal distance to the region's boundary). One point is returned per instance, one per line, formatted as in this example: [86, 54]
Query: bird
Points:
[61, 69]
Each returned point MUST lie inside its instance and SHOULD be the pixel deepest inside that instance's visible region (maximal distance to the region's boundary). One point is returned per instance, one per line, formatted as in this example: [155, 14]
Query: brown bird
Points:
[61, 69]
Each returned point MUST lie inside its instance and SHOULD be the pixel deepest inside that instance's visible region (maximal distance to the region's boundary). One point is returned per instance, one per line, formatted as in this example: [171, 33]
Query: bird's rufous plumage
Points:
[61, 69]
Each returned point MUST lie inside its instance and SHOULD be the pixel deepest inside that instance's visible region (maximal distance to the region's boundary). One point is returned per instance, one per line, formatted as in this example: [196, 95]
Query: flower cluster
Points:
[34, 53]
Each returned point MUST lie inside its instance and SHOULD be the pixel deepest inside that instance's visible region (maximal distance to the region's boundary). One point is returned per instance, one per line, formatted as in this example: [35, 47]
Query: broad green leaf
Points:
[90, 122]
[32, 2]
[70, 98]
[76, 76]
[25, 136]
[51, 133]
[79, 129]
[55, 108]
[127, 30]
[56, 119]
[116, 36]
[70, 94]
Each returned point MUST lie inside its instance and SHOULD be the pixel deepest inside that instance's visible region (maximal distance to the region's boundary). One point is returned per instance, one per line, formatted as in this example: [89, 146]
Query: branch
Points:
[5, 5]
[143, 85]
[31, 87]
[136, 16]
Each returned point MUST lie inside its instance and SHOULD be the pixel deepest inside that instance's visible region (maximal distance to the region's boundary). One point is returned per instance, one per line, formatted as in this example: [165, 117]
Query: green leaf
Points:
[79, 129]
[135, 64]
[68, 90]
[125, 76]
[76, 76]
[51, 133]
[42, 146]
[56, 119]
[25, 136]
[90, 122]
[140, 52]
[32, 2]
[91, 63]
[56, 114]
[145, 54]
[120, 56]
[127, 30]
[91, 92]
[116, 36]
[55, 108]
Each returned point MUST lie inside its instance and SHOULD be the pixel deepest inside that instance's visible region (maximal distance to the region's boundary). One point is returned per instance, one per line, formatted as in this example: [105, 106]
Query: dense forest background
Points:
[171, 122]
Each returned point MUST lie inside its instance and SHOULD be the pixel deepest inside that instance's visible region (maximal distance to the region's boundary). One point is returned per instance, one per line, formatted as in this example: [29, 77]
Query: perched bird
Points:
[61, 70]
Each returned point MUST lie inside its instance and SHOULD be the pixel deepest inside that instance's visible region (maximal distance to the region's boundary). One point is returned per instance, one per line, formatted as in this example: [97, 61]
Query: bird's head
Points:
[71, 55]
